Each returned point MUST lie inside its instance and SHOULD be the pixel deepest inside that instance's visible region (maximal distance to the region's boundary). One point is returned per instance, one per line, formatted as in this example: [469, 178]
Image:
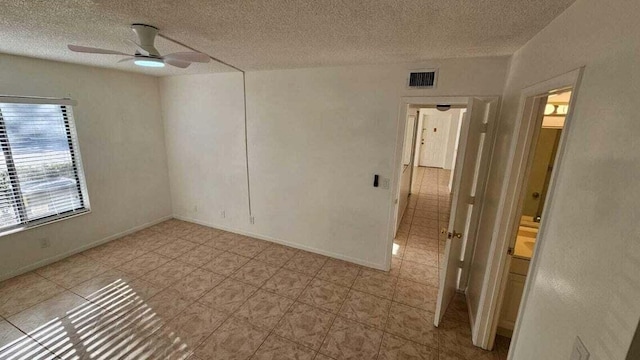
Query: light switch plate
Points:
[580, 351]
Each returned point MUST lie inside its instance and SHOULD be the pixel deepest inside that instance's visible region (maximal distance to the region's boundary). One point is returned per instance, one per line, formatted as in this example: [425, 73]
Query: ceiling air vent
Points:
[422, 79]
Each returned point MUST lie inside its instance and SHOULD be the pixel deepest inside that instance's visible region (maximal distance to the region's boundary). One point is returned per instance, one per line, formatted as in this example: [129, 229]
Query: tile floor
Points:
[179, 290]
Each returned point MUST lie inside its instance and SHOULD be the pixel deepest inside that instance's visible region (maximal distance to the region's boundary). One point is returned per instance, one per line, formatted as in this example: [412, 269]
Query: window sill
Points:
[42, 222]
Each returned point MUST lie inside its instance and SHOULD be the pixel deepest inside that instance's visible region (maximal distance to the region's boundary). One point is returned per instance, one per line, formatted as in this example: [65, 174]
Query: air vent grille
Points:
[422, 79]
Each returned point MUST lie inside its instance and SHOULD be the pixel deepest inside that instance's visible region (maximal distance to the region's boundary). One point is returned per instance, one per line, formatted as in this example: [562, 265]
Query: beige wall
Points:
[587, 283]
[316, 138]
[120, 133]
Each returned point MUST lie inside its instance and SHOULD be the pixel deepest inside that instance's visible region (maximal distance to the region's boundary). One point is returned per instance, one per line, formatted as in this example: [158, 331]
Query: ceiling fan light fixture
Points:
[149, 62]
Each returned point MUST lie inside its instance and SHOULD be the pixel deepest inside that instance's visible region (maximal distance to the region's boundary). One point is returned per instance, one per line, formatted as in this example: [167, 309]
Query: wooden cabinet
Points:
[513, 295]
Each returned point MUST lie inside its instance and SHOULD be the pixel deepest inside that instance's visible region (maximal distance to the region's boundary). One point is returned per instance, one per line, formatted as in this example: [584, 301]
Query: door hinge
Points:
[484, 128]
[472, 200]
[461, 264]
[510, 251]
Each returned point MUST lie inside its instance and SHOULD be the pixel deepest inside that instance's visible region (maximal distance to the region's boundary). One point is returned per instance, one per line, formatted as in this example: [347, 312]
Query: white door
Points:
[463, 211]
[435, 134]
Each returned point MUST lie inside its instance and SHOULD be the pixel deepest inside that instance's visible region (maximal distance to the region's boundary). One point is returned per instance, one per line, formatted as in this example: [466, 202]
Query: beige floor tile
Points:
[9, 334]
[26, 349]
[248, 247]
[351, 340]
[175, 248]
[199, 236]
[278, 348]
[21, 292]
[398, 250]
[72, 270]
[199, 255]
[287, 283]
[234, 340]
[455, 337]
[228, 296]
[306, 263]
[276, 255]
[367, 309]
[197, 283]
[421, 255]
[457, 310]
[226, 263]
[325, 295]
[168, 303]
[425, 222]
[421, 273]
[141, 265]
[54, 308]
[396, 264]
[163, 344]
[305, 325]
[323, 357]
[417, 295]
[412, 324]
[396, 348]
[195, 324]
[95, 287]
[377, 283]
[339, 272]
[255, 273]
[168, 273]
[264, 309]
[226, 241]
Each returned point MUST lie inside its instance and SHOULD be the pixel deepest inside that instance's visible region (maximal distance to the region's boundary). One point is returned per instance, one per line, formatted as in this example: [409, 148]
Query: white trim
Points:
[427, 101]
[508, 207]
[405, 101]
[16, 99]
[80, 249]
[283, 242]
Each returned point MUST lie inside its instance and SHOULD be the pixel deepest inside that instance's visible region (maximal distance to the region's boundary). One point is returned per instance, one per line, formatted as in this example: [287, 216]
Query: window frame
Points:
[66, 111]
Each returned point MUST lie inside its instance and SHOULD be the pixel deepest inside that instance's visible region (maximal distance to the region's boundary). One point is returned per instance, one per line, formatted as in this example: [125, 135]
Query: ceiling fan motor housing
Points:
[146, 37]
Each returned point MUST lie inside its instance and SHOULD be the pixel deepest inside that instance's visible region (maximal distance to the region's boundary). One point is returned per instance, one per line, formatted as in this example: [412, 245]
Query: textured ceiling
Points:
[276, 34]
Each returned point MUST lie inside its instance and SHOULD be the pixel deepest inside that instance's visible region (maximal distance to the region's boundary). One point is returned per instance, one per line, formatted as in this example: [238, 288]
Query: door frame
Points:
[428, 101]
[510, 203]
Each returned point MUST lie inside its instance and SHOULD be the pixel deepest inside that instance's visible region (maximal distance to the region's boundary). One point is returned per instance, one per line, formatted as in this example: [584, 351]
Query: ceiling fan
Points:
[146, 54]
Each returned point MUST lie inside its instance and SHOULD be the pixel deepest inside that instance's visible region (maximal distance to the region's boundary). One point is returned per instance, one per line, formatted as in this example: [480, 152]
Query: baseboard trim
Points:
[284, 242]
[88, 246]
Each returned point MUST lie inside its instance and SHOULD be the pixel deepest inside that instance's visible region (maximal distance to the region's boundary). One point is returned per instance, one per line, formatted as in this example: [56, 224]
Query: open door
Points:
[469, 177]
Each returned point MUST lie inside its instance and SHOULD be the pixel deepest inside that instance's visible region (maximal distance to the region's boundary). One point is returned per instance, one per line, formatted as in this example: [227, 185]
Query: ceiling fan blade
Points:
[127, 59]
[90, 50]
[177, 63]
[189, 56]
[138, 47]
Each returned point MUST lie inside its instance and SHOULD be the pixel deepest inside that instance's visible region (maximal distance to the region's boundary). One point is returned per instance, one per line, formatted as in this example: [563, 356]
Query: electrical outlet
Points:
[44, 243]
[252, 220]
[223, 214]
[385, 183]
[580, 351]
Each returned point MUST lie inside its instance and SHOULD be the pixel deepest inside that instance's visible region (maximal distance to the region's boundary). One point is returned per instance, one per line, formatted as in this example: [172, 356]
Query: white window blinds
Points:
[41, 177]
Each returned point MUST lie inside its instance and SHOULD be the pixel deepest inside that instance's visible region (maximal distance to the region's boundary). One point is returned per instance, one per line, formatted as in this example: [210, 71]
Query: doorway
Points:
[543, 153]
[475, 135]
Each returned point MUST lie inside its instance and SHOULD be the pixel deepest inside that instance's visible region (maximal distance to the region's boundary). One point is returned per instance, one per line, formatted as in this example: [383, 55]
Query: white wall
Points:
[120, 132]
[407, 172]
[452, 142]
[316, 138]
[587, 283]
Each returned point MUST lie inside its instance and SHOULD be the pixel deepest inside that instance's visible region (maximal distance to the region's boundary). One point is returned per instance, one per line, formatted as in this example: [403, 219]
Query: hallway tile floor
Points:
[179, 290]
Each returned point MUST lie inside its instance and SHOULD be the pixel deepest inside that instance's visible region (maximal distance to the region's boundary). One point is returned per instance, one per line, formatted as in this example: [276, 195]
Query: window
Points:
[41, 177]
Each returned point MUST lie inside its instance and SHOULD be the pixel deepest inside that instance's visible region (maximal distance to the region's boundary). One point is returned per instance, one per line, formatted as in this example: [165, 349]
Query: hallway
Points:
[418, 253]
